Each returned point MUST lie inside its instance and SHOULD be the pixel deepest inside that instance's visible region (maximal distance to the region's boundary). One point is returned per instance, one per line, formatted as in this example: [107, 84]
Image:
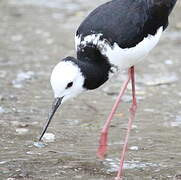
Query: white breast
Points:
[123, 58]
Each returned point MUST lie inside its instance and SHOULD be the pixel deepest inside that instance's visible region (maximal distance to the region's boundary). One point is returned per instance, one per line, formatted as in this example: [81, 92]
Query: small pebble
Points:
[134, 148]
[20, 125]
[3, 162]
[46, 34]
[49, 41]
[13, 98]
[57, 15]
[21, 131]
[1, 110]
[168, 62]
[134, 126]
[32, 153]
[2, 98]
[48, 137]
[38, 31]
[78, 177]
[127, 98]
[149, 110]
[3, 74]
[29, 152]
[17, 38]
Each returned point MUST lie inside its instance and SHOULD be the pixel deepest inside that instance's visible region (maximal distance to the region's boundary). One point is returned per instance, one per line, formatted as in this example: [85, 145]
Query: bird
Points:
[115, 36]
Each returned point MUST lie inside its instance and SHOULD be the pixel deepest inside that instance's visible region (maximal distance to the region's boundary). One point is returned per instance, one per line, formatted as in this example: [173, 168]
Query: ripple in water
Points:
[113, 165]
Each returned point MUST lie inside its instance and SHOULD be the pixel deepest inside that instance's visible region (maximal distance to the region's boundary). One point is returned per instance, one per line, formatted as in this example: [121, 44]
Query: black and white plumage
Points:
[123, 31]
[115, 36]
[119, 33]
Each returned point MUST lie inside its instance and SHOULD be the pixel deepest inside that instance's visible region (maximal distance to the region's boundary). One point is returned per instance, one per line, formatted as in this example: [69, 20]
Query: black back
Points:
[127, 22]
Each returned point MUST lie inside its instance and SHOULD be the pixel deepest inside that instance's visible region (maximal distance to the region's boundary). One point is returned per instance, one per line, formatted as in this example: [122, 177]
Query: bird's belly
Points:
[117, 56]
[127, 57]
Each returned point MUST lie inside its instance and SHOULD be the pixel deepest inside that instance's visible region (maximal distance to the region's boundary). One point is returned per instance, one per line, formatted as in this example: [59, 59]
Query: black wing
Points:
[125, 22]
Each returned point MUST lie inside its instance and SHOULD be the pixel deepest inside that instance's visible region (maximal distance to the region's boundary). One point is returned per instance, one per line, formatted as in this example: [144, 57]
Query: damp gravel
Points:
[34, 36]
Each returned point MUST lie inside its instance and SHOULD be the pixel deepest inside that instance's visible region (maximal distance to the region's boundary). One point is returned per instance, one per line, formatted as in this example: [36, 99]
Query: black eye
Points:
[69, 85]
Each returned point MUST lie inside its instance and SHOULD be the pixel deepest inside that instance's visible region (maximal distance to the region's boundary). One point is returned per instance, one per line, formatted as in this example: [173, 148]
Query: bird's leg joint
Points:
[133, 107]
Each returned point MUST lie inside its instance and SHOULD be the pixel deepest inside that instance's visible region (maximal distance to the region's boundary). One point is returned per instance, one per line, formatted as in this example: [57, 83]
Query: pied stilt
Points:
[115, 36]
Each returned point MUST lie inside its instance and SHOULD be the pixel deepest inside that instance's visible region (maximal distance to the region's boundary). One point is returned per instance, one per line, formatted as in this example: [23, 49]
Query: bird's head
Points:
[67, 81]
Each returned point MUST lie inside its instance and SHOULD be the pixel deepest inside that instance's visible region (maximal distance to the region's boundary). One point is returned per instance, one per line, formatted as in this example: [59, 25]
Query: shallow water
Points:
[34, 35]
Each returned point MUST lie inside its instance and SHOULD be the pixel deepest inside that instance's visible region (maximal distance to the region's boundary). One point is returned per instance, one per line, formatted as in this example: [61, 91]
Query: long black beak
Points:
[56, 104]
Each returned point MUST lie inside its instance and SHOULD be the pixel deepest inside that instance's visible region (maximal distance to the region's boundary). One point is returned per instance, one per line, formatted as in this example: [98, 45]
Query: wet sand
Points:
[34, 36]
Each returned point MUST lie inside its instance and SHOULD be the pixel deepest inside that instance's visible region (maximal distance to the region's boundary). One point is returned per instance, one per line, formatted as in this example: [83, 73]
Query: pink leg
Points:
[104, 133]
[132, 116]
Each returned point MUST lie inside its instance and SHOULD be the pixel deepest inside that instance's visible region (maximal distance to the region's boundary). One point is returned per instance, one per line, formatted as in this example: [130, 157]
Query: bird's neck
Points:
[94, 66]
[95, 74]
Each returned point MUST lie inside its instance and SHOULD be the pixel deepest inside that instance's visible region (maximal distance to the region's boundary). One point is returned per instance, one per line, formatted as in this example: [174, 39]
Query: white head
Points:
[67, 81]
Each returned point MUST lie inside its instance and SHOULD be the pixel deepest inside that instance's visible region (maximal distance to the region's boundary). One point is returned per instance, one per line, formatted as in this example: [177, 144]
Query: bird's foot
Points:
[101, 152]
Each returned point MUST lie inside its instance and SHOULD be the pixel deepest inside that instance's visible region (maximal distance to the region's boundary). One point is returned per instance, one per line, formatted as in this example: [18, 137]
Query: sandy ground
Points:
[34, 36]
